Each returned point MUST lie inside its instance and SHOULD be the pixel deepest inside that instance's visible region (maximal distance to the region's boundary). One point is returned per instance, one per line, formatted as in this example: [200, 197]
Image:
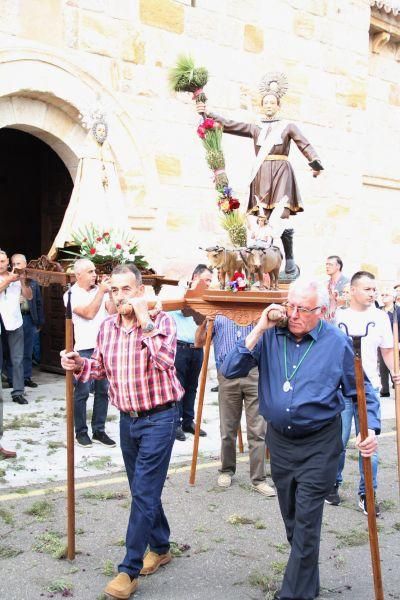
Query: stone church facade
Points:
[59, 58]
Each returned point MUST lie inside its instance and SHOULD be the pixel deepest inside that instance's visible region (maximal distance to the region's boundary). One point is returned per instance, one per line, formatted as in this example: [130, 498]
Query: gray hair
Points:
[3, 252]
[22, 256]
[81, 264]
[303, 285]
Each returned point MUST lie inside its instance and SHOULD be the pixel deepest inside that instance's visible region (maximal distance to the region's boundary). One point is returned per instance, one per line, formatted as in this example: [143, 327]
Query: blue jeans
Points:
[146, 445]
[100, 403]
[188, 363]
[29, 332]
[349, 412]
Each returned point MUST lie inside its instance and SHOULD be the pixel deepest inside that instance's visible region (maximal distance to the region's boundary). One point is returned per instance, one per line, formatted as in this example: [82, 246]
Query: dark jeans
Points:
[188, 363]
[304, 470]
[13, 347]
[29, 332]
[384, 374]
[100, 403]
[146, 445]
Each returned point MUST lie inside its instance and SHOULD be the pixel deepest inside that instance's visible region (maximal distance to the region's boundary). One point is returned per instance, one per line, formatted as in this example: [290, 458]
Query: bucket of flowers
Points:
[106, 249]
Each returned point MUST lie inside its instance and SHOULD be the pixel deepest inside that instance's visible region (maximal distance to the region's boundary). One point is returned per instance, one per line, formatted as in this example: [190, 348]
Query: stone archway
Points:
[44, 94]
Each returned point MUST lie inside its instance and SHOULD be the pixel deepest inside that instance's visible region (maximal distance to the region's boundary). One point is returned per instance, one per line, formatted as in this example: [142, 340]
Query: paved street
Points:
[228, 544]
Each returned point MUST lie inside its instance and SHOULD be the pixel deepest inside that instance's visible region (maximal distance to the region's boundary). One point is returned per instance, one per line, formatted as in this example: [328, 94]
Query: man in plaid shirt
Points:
[136, 354]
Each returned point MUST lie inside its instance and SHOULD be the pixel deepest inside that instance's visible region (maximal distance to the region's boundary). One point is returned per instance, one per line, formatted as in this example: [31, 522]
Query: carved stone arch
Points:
[44, 94]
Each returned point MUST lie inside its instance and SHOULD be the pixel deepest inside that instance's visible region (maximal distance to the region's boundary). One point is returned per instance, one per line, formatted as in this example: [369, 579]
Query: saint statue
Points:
[272, 179]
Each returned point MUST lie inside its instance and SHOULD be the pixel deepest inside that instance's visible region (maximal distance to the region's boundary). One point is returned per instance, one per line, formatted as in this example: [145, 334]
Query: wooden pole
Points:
[69, 396]
[240, 440]
[203, 379]
[396, 386]
[369, 489]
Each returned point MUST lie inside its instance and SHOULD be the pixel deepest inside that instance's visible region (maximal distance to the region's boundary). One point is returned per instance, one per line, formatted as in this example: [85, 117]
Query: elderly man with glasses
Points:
[302, 366]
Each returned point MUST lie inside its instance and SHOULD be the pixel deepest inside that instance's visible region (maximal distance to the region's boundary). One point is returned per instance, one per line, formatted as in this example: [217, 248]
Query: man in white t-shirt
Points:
[90, 305]
[362, 310]
[13, 286]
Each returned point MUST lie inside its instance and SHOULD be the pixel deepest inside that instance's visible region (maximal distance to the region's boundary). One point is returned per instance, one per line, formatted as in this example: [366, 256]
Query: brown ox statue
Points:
[226, 261]
[263, 260]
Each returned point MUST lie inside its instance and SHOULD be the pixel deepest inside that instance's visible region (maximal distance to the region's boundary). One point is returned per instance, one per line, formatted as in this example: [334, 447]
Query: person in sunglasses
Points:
[302, 365]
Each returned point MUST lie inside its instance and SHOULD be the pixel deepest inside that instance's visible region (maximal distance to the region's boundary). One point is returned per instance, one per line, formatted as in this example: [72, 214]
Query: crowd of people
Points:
[295, 383]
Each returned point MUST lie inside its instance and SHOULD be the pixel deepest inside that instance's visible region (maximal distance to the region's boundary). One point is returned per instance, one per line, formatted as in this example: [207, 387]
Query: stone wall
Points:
[346, 99]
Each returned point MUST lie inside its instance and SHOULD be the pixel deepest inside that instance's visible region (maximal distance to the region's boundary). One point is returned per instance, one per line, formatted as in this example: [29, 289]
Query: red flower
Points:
[99, 239]
[208, 123]
[106, 234]
[201, 132]
[92, 251]
[233, 203]
[118, 246]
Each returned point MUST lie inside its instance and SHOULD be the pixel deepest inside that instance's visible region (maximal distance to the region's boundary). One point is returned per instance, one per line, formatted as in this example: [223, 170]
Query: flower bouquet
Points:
[186, 78]
[106, 249]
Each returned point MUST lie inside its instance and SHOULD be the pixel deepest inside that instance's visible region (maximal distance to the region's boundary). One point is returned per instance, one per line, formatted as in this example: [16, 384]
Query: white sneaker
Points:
[264, 489]
[224, 480]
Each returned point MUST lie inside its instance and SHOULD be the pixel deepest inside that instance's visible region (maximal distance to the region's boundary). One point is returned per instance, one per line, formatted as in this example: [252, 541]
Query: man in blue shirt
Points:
[302, 367]
[189, 358]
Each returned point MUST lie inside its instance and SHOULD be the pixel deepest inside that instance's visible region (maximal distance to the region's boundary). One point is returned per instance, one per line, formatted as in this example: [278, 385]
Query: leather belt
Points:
[276, 157]
[135, 414]
[186, 345]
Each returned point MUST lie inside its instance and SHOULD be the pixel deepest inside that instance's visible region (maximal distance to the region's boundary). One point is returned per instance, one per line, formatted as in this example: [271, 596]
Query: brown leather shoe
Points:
[7, 453]
[121, 587]
[152, 561]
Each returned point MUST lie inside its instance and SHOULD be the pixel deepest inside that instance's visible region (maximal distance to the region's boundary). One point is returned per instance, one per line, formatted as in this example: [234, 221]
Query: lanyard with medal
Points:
[286, 386]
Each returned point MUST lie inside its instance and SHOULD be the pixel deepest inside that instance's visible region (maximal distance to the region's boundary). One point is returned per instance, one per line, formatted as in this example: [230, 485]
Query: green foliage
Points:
[42, 509]
[51, 543]
[234, 223]
[185, 77]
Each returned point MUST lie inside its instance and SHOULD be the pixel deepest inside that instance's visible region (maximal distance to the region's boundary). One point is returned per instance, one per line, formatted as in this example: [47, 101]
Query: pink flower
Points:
[208, 123]
[92, 251]
[201, 132]
[118, 246]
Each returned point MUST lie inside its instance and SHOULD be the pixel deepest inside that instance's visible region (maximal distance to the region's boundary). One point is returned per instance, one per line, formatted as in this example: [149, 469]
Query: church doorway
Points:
[35, 188]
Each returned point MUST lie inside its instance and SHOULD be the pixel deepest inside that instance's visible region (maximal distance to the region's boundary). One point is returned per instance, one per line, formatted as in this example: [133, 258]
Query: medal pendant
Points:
[286, 386]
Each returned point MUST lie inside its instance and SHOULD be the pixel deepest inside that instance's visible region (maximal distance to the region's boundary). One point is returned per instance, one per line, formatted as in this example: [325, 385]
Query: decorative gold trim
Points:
[379, 40]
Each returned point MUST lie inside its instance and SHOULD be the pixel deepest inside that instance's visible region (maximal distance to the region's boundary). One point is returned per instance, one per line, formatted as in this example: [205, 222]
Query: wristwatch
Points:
[148, 327]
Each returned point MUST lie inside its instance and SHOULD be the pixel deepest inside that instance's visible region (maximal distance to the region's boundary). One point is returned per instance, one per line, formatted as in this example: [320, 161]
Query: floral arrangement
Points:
[238, 283]
[185, 77]
[106, 247]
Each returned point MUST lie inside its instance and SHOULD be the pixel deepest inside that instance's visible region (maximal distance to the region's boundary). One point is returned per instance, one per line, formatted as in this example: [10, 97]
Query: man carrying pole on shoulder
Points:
[302, 366]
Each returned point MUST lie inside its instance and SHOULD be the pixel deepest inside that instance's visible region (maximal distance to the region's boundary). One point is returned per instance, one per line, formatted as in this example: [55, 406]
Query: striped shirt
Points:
[225, 335]
[140, 368]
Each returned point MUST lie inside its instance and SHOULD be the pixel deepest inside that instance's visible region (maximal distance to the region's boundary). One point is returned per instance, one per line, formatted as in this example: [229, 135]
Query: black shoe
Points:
[362, 503]
[179, 435]
[191, 429]
[385, 394]
[214, 389]
[29, 383]
[333, 496]
[84, 440]
[100, 437]
[20, 399]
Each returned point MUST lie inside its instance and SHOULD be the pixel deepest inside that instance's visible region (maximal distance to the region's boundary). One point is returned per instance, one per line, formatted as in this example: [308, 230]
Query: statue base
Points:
[288, 277]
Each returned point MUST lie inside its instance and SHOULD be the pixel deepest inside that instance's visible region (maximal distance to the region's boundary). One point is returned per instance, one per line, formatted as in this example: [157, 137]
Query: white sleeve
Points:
[387, 333]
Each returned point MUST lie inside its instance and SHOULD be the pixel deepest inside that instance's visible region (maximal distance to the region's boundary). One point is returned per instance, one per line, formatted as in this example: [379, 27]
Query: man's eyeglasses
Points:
[300, 309]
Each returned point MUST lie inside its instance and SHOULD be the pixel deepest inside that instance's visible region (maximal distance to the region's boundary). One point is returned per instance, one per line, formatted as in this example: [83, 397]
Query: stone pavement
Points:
[228, 543]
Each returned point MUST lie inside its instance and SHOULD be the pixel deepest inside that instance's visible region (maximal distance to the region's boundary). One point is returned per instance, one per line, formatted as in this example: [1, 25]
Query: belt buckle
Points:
[134, 414]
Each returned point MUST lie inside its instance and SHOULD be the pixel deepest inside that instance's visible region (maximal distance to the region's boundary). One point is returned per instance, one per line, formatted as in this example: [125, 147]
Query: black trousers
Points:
[303, 471]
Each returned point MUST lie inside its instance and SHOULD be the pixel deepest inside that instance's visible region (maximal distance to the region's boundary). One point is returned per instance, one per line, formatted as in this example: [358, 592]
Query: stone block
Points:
[164, 14]
[133, 48]
[99, 34]
[177, 221]
[394, 94]
[304, 25]
[253, 39]
[168, 166]
[42, 21]
[395, 237]
[352, 92]
[337, 211]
